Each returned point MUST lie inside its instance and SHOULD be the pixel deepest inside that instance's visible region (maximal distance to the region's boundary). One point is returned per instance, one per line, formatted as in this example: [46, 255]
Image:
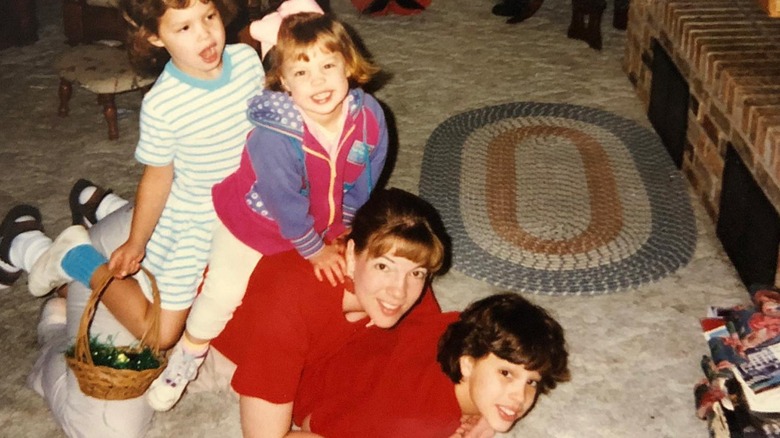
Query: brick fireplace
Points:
[708, 72]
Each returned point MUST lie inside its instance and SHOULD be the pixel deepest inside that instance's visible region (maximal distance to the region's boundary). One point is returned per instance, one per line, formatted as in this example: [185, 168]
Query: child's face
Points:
[386, 287]
[194, 37]
[501, 391]
[319, 85]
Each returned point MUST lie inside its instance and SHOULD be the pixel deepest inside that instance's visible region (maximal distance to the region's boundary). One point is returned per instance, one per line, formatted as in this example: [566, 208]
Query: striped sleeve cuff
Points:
[309, 244]
[348, 215]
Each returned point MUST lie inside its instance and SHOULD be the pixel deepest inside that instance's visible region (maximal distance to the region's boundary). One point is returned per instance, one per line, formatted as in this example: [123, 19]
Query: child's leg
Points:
[231, 263]
[125, 298]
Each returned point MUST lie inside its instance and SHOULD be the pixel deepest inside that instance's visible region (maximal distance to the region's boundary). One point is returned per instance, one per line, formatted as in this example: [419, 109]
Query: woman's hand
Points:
[329, 262]
[473, 426]
[126, 260]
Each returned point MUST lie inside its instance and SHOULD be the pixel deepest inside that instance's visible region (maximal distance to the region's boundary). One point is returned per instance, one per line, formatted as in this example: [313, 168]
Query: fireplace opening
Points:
[668, 106]
[748, 225]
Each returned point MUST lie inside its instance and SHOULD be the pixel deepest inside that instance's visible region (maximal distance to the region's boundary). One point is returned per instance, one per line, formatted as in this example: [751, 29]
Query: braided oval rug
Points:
[557, 199]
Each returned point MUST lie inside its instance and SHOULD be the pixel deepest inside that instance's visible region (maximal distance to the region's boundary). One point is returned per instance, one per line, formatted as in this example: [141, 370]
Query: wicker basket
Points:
[108, 383]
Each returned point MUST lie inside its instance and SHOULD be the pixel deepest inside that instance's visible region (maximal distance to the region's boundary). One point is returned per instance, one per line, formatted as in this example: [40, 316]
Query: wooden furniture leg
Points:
[620, 14]
[65, 91]
[109, 111]
[586, 21]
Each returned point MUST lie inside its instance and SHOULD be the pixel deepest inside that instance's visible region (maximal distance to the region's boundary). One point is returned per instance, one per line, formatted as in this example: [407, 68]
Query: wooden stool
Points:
[102, 70]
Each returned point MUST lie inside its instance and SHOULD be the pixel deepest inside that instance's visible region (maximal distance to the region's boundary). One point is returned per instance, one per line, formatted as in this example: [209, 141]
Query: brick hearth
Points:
[728, 52]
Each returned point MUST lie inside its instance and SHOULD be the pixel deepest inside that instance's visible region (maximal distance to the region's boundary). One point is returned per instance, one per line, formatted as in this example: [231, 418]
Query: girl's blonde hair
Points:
[143, 19]
[298, 32]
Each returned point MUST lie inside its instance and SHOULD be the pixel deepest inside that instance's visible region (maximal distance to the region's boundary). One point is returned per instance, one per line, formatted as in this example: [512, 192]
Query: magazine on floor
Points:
[746, 339]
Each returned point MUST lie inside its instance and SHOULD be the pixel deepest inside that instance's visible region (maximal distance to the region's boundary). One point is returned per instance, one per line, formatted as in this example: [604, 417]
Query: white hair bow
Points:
[266, 30]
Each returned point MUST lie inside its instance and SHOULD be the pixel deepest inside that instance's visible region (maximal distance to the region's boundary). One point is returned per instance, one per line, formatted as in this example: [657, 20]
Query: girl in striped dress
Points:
[192, 132]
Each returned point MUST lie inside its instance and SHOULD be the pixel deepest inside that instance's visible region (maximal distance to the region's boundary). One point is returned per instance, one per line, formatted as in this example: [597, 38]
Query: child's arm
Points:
[263, 419]
[153, 190]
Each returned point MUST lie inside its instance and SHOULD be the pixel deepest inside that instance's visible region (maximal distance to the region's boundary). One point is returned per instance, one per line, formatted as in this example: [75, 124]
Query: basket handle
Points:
[151, 337]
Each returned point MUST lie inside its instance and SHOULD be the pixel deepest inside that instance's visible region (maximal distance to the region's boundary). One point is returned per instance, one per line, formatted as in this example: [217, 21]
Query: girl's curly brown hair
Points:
[143, 19]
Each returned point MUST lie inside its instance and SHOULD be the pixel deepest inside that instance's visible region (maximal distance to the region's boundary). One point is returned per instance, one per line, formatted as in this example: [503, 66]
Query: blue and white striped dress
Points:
[200, 126]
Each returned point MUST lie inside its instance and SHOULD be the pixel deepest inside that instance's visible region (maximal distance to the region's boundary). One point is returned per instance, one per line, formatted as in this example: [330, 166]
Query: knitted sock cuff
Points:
[81, 262]
[193, 349]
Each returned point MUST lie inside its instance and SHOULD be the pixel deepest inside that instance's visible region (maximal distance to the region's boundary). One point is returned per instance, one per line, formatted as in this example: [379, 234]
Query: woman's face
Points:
[386, 287]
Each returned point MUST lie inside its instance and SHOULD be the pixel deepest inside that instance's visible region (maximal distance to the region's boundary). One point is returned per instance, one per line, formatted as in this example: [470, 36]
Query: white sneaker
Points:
[47, 272]
[167, 389]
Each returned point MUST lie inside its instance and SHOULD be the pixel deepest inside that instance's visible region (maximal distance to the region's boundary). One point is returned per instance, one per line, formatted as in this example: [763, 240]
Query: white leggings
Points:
[78, 414]
[231, 262]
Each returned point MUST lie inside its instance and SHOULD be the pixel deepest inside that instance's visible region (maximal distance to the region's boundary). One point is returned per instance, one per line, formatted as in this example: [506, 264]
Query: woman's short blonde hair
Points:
[299, 32]
[398, 221]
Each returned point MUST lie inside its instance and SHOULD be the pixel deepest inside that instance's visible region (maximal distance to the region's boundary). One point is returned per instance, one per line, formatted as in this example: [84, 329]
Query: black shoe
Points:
[375, 6]
[85, 214]
[410, 4]
[9, 229]
[509, 8]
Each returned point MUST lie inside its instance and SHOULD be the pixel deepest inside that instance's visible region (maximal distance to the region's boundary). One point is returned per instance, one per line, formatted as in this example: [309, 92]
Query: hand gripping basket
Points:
[106, 383]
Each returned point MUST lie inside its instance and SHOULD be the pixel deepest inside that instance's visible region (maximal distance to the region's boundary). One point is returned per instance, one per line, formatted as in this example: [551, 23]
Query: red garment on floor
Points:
[392, 7]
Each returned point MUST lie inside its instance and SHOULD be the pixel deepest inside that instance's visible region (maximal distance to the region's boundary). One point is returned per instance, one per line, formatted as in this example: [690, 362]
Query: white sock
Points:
[27, 247]
[109, 204]
[86, 194]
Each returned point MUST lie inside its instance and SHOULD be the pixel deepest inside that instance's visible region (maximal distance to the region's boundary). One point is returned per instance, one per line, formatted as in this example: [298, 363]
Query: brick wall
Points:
[729, 53]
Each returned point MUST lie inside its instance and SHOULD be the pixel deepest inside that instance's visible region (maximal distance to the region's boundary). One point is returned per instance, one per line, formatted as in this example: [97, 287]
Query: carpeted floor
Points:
[634, 355]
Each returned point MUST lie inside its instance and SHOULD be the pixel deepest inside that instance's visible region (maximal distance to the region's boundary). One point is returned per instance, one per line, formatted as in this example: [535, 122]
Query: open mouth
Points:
[210, 54]
[389, 309]
[321, 98]
[507, 414]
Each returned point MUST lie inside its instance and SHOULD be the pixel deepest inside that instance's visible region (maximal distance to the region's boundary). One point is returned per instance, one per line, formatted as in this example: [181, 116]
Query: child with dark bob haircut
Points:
[512, 329]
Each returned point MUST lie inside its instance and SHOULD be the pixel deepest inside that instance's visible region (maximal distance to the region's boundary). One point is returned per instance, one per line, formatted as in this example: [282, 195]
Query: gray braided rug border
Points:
[670, 222]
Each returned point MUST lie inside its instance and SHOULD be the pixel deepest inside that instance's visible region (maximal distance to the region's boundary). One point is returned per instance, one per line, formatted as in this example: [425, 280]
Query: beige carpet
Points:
[634, 354]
